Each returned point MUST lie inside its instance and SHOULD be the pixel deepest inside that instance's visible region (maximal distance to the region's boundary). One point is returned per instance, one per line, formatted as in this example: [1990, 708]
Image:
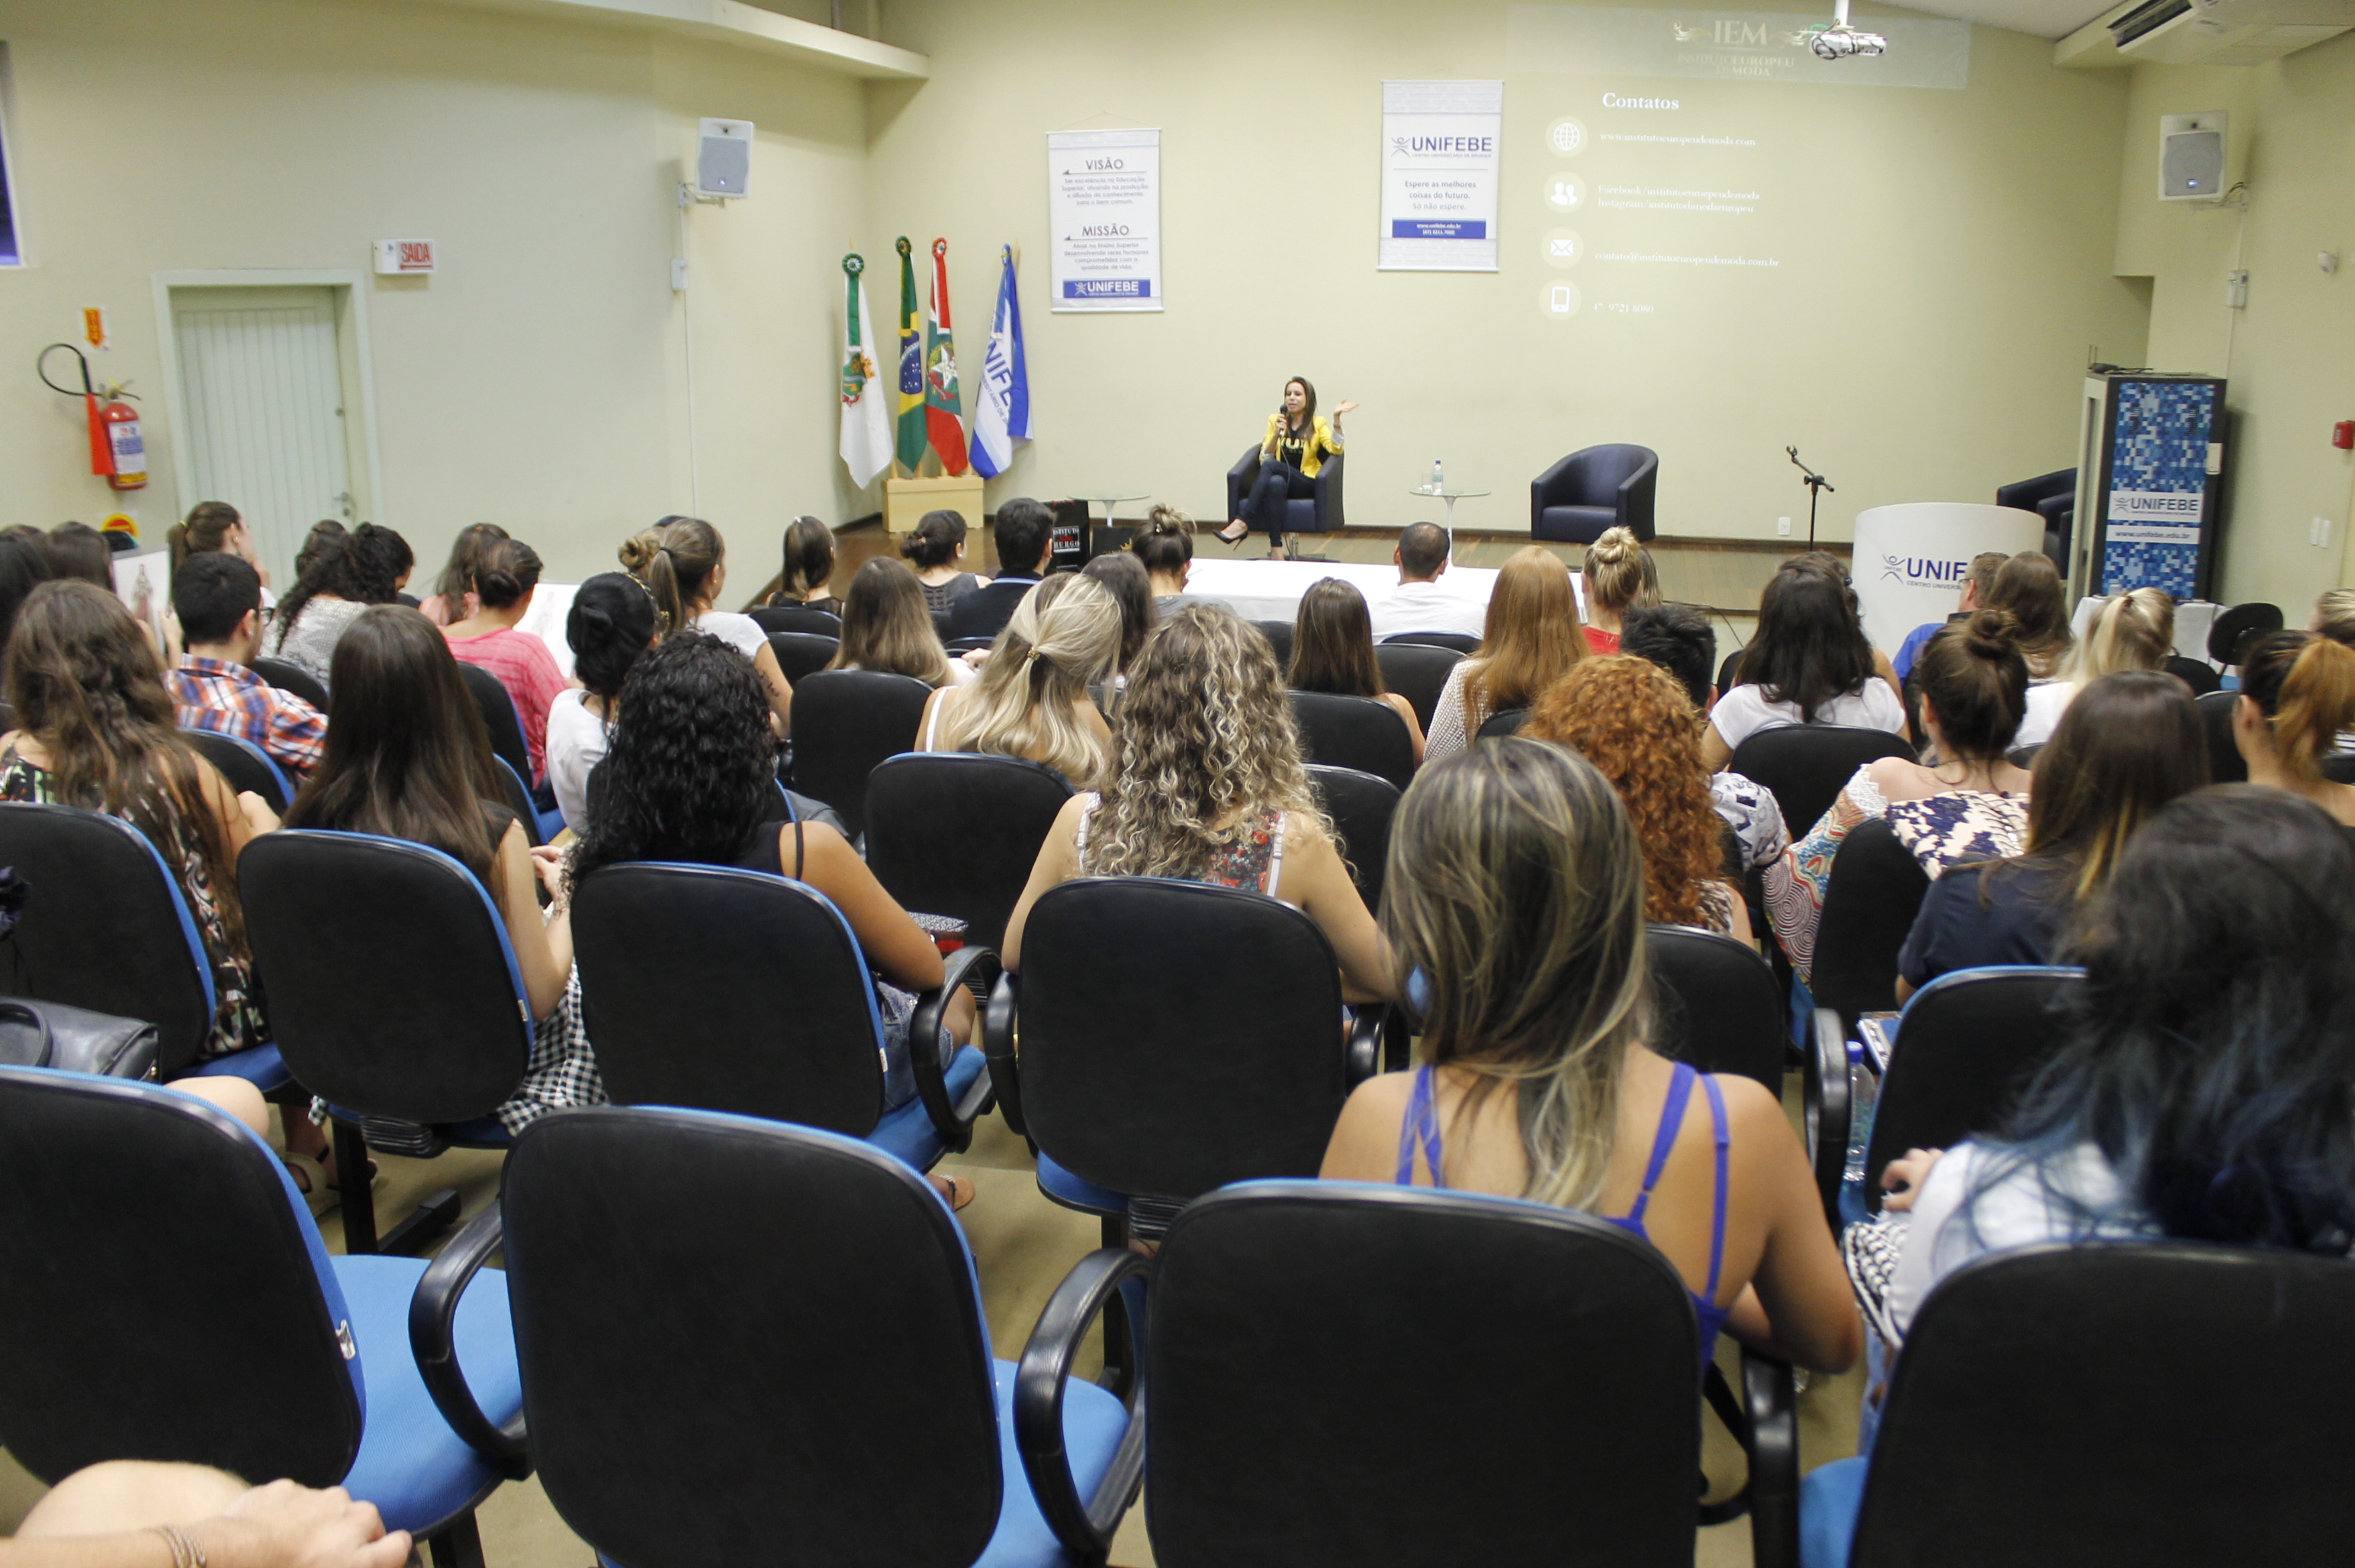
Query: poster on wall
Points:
[1104, 199]
[1440, 142]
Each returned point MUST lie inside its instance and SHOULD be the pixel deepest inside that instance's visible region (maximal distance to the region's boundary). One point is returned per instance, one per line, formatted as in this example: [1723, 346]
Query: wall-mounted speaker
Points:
[723, 163]
[2191, 156]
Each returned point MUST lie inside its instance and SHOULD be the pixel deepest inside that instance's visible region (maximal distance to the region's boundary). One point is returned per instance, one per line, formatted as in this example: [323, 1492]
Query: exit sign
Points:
[398, 256]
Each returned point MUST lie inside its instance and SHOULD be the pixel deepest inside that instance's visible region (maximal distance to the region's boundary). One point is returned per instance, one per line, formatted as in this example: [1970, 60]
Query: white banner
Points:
[1103, 198]
[1910, 560]
[1440, 146]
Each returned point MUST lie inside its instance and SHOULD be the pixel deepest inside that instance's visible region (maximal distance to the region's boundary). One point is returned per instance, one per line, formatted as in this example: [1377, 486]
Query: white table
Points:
[1271, 590]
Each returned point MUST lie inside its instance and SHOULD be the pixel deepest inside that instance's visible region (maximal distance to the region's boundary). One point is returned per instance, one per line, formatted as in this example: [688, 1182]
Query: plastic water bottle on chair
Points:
[1864, 1090]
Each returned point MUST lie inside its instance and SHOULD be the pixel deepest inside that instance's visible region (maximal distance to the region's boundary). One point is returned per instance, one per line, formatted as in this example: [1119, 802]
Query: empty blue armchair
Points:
[1596, 488]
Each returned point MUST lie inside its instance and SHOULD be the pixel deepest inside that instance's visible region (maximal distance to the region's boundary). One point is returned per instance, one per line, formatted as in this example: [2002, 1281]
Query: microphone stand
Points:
[1816, 484]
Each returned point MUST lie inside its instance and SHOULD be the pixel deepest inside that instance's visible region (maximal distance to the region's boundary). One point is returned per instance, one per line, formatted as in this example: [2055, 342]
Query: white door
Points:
[262, 410]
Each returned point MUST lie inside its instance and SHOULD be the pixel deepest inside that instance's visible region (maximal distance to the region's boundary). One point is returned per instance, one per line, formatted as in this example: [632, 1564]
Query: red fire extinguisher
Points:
[118, 450]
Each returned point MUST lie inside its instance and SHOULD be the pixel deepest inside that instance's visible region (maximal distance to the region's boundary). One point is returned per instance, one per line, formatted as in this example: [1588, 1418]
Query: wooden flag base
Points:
[905, 501]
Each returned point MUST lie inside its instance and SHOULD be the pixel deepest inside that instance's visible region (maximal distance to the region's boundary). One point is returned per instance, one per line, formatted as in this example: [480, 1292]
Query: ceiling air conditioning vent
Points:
[2227, 32]
[2147, 18]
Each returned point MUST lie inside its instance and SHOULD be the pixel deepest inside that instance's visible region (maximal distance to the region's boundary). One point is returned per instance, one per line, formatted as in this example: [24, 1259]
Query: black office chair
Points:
[844, 722]
[1803, 766]
[1875, 890]
[292, 677]
[1729, 673]
[773, 619]
[499, 717]
[245, 765]
[1279, 638]
[1505, 722]
[2024, 757]
[1717, 1005]
[785, 1022]
[1594, 489]
[1317, 514]
[124, 1209]
[922, 809]
[1417, 672]
[2169, 1403]
[2224, 761]
[1457, 641]
[969, 645]
[1139, 1081]
[517, 797]
[2231, 633]
[2054, 497]
[1361, 733]
[801, 655]
[1361, 806]
[1966, 1047]
[1536, 1359]
[393, 993]
[747, 1342]
[2197, 674]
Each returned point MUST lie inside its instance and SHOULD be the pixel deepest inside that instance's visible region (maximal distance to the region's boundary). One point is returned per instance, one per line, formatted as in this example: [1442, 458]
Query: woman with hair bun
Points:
[1164, 544]
[2297, 693]
[934, 549]
[1969, 804]
[507, 574]
[1032, 700]
[2134, 630]
[2334, 616]
[683, 561]
[611, 623]
[2028, 587]
[214, 528]
[1619, 577]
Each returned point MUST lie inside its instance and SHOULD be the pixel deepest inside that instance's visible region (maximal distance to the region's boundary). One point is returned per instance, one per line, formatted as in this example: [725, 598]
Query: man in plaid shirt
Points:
[218, 600]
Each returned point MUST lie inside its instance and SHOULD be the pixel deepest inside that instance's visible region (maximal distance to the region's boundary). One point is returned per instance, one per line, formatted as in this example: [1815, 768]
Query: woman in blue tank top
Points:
[1514, 908]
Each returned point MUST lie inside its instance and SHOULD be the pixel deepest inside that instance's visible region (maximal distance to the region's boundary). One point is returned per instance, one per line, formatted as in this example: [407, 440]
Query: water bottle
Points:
[1438, 477]
[1862, 1090]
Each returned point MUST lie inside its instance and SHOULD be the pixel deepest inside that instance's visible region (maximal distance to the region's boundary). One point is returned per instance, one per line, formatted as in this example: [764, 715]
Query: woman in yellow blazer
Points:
[1296, 443]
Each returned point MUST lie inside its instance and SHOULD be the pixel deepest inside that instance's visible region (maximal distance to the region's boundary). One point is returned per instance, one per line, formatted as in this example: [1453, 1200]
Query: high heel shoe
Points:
[1236, 542]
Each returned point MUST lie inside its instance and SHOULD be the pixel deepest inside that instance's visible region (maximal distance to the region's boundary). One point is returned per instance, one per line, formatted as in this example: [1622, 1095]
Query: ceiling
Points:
[2044, 18]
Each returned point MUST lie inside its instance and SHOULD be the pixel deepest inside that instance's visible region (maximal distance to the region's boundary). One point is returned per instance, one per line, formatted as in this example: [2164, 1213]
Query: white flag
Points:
[1002, 416]
[865, 423]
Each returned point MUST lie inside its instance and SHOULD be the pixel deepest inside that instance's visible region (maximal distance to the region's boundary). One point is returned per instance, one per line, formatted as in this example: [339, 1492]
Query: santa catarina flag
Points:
[1001, 416]
[866, 444]
[943, 414]
[912, 364]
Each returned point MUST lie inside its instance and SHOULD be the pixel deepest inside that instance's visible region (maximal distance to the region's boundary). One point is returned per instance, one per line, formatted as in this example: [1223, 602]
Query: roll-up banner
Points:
[1103, 198]
[1440, 146]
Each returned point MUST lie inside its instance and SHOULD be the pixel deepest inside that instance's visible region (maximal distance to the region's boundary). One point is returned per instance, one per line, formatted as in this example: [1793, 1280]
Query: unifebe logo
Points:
[1918, 571]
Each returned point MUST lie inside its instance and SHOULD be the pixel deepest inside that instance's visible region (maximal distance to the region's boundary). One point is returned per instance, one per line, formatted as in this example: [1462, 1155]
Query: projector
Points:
[1840, 41]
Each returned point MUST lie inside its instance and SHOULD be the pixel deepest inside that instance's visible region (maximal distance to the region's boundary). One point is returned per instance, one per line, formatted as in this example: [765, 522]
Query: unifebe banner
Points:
[1103, 198]
[1440, 143]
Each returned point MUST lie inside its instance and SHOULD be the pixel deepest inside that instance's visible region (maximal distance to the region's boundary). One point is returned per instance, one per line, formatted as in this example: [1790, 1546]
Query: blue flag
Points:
[1002, 416]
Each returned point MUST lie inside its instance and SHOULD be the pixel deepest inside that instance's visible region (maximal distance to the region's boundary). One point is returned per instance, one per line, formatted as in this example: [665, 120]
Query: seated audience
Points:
[1131, 587]
[1619, 575]
[2297, 694]
[2334, 616]
[1208, 787]
[1677, 638]
[2134, 630]
[1969, 804]
[1165, 545]
[1631, 721]
[1333, 651]
[408, 757]
[506, 575]
[1808, 663]
[2028, 587]
[217, 598]
[213, 527]
[1419, 603]
[683, 561]
[1515, 911]
[24, 566]
[1031, 700]
[79, 551]
[935, 550]
[2127, 745]
[114, 1514]
[1022, 532]
[612, 624]
[1532, 639]
[1977, 578]
[691, 776]
[885, 627]
[453, 598]
[342, 573]
[809, 567]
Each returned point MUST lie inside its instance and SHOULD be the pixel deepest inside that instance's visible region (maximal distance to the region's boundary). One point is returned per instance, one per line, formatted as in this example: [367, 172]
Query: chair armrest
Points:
[1367, 1024]
[997, 1046]
[1643, 475]
[432, 1311]
[1085, 1528]
[954, 1123]
[1826, 1089]
[1773, 1444]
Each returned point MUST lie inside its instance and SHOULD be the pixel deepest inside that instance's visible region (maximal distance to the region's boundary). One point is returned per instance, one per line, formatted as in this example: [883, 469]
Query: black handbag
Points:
[75, 1039]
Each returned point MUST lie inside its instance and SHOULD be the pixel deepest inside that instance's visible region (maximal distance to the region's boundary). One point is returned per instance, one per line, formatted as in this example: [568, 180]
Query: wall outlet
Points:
[2317, 533]
[678, 274]
[2236, 290]
[1783, 527]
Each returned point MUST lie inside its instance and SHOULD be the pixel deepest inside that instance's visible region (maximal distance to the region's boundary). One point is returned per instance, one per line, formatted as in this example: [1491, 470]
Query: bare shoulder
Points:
[1364, 1141]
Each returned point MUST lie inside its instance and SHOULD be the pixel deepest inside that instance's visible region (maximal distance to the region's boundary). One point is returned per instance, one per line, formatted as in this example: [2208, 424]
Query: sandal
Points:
[960, 1190]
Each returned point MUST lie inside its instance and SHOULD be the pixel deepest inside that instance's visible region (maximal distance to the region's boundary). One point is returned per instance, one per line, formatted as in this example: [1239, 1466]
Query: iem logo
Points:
[1919, 574]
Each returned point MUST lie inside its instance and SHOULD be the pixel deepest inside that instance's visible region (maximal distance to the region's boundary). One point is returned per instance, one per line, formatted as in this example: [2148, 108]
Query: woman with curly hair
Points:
[342, 574]
[1532, 638]
[691, 776]
[1208, 786]
[1633, 721]
[1032, 700]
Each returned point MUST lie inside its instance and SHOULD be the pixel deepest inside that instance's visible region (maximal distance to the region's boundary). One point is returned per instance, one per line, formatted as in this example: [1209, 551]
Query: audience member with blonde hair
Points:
[2297, 693]
[1333, 651]
[888, 626]
[1514, 905]
[683, 561]
[1032, 700]
[1207, 785]
[2334, 616]
[1619, 576]
[1631, 719]
[1533, 637]
[2134, 630]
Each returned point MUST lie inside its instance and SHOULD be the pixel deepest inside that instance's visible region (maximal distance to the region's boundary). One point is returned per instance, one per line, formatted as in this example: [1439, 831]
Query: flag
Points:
[943, 411]
[866, 423]
[911, 365]
[1002, 416]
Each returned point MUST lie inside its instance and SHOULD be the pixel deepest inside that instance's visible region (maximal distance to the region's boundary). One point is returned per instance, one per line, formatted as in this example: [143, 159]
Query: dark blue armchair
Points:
[1591, 490]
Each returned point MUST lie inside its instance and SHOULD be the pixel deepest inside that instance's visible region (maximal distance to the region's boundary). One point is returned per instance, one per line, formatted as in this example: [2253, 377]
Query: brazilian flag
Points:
[912, 363]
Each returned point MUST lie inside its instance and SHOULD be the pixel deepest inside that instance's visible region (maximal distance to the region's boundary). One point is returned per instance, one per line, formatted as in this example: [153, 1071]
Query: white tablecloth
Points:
[1271, 590]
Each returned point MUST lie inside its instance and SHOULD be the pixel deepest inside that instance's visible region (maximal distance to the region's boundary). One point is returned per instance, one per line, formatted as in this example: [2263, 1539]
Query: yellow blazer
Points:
[1312, 450]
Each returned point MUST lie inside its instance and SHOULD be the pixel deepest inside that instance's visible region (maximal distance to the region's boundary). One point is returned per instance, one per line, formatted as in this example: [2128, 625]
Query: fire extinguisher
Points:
[118, 449]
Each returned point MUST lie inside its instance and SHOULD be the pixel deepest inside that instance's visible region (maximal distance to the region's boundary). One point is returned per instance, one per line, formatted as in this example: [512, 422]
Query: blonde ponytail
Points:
[2317, 702]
